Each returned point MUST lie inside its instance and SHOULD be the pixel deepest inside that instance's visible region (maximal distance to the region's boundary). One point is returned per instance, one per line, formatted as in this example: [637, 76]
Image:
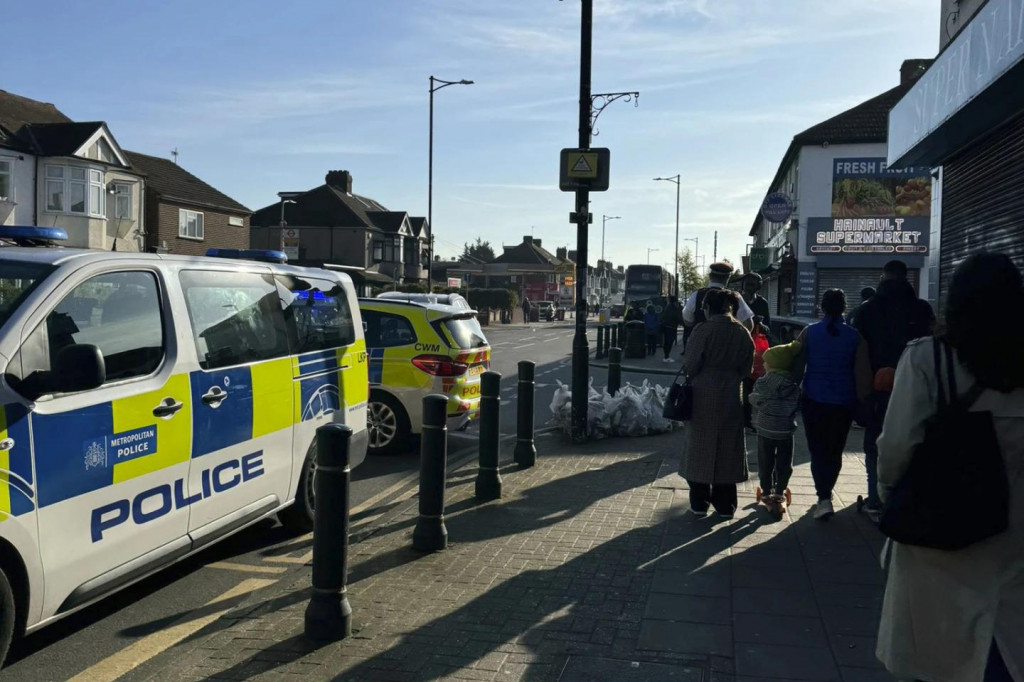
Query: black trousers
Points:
[669, 340]
[748, 413]
[652, 342]
[827, 427]
[774, 464]
[722, 496]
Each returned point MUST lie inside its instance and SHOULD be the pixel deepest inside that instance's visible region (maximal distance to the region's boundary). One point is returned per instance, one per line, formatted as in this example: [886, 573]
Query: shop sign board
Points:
[806, 289]
[777, 207]
[760, 259]
[985, 49]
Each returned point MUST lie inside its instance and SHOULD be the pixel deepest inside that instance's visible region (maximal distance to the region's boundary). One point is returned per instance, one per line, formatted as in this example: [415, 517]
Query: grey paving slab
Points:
[774, 602]
[761, 628]
[758, 577]
[859, 573]
[866, 675]
[711, 584]
[856, 651]
[850, 621]
[848, 595]
[699, 639]
[786, 662]
[690, 608]
[587, 669]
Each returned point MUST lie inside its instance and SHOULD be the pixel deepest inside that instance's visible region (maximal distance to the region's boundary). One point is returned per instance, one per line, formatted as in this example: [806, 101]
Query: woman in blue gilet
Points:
[836, 379]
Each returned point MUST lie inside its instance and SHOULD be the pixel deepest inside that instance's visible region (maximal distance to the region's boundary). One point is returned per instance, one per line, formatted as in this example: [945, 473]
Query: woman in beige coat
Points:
[959, 616]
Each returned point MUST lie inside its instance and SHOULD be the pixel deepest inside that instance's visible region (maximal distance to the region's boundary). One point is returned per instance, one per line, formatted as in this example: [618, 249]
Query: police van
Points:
[151, 405]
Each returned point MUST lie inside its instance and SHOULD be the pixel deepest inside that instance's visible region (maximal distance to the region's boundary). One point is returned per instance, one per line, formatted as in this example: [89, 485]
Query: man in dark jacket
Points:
[893, 317]
[752, 283]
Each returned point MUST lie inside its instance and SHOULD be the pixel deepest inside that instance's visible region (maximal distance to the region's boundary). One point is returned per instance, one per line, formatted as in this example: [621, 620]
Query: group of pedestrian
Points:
[662, 327]
[948, 615]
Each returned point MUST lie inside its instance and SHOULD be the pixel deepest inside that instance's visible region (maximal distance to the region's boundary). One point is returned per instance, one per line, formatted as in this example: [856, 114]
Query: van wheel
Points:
[387, 424]
[7, 616]
[298, 518]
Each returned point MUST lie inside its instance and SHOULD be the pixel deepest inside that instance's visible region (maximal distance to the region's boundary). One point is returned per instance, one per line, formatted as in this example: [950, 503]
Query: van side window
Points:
[318, 314]
[385, 331]
[117, 312]
[236, 317]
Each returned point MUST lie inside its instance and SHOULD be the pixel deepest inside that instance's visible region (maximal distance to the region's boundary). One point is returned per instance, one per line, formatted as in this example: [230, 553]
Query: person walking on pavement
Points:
[952, 616]
[759, 335]
[671, 318]
[752, 283]
[717, 358]
[526, 309]
[836, 378]
[866, 294]
[776, 397]
[693, 311]
[652, 326]
[893, 317]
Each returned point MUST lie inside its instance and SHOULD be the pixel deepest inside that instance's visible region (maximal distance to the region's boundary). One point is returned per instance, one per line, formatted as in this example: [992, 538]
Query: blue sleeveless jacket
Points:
[829, 376]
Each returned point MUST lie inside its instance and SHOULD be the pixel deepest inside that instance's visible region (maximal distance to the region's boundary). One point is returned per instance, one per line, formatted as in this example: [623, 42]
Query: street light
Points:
[430, 176]
[605, 219]
[676, 179]
[649, 252]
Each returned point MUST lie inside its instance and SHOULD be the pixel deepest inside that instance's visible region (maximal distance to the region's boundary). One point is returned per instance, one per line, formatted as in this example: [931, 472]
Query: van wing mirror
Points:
[78, 367]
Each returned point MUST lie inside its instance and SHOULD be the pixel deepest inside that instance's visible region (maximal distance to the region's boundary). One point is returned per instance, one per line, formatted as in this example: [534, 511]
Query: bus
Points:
[644, 282]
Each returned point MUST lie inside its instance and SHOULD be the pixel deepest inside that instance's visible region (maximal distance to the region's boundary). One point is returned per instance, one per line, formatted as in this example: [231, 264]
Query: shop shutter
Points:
[853, 280]
[983, 201]
[771, 292]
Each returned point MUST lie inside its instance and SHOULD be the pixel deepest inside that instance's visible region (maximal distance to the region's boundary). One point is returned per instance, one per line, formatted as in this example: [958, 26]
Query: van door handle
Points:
[214, 397]
[168, 408]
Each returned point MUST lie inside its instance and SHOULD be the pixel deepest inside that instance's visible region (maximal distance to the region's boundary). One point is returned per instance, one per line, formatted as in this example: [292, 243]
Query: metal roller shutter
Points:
[983, 201]
[853, 280]
[771, 292]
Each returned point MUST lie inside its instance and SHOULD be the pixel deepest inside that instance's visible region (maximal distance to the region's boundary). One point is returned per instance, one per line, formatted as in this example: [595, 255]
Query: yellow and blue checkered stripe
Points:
[16, 489]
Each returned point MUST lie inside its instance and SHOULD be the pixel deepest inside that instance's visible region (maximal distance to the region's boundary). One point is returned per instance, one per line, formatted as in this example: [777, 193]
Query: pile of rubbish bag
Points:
[632, 411]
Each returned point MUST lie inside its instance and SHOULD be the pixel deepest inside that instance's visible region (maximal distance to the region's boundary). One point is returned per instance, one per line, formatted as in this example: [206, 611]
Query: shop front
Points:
[966, 114]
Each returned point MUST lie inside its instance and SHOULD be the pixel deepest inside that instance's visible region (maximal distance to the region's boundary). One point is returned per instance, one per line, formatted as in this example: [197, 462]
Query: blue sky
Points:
[263, 96]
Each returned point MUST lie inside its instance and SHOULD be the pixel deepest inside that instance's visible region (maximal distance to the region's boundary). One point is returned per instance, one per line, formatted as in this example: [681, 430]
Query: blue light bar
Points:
[28, 235]
[262, 255]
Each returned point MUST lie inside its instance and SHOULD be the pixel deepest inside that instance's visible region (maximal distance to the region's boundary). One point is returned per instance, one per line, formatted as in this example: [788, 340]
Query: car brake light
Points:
[439, 365]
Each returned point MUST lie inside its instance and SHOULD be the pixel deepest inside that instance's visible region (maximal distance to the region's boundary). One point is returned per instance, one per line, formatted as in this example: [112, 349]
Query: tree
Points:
[478, 252]
[690, 278]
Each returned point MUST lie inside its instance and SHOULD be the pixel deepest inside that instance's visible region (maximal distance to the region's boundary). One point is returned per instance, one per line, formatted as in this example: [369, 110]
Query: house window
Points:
[190, 224]
[123, 202]
[235, 221]
[74, 189]
[411, 252]
[5, 180]
[378, 251]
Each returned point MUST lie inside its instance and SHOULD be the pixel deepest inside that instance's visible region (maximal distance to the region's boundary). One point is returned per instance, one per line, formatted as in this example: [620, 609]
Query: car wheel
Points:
[7, 616]
[298, 518]
[387, 424]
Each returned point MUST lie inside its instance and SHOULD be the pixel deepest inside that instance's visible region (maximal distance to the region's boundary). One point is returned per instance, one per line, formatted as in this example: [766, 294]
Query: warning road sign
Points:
[584, 169]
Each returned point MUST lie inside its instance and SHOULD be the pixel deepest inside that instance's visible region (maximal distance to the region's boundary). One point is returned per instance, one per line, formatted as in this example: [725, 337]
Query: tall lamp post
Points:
[604, 220]
[649, 252]
[676, 179]
[435, 85]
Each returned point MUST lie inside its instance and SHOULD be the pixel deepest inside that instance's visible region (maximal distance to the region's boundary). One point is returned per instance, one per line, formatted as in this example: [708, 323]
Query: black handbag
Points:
[958, 463]
[679, 404]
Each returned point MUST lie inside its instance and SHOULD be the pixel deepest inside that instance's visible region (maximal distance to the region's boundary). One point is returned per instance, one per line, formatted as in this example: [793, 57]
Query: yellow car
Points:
[416, 349]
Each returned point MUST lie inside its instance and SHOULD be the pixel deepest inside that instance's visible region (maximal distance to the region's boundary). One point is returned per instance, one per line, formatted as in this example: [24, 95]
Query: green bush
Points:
[493, 299]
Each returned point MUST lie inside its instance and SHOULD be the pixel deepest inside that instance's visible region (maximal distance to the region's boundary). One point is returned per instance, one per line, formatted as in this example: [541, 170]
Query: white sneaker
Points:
[669, 361]
[823, 510]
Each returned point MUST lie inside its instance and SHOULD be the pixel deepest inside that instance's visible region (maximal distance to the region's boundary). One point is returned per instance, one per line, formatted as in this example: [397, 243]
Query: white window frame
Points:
[184, 216]
[91, 184]
[9, 174]
[122, 191]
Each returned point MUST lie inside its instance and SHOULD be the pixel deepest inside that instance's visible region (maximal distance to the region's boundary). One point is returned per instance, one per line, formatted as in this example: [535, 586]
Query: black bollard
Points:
[329, 615]
[614, 370]
[613, 340]
[488, 480]
[607, 339]
[525, 452]
[430, 534]
[600, 341]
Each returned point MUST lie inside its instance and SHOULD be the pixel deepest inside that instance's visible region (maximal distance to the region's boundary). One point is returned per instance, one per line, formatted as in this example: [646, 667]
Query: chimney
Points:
[560, 252]
[911, 70]
[527, 239]
[536, 242]
[340, 180]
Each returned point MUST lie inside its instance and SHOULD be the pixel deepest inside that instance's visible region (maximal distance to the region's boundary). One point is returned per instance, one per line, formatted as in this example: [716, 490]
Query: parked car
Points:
[786, 329]
[546, 310]
[416, 349]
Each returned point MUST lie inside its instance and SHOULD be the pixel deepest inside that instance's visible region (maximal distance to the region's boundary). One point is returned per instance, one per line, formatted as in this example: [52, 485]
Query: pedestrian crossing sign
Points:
[584, 169]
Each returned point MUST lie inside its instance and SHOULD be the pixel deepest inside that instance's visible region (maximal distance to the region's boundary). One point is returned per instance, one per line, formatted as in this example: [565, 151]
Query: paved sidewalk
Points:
[588, 569]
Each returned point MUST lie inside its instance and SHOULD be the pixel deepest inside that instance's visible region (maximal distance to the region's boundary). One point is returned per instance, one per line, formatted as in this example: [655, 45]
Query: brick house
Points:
[185, 215]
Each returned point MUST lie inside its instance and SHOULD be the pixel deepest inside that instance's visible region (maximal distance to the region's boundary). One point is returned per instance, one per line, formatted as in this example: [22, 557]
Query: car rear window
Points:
[466, 333]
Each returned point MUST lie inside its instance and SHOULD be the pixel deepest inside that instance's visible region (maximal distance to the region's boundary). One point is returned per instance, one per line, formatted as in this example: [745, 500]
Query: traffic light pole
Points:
[580, 348]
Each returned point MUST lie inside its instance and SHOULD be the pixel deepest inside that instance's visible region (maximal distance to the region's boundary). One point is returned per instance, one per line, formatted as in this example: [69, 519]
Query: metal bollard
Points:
[614, 370]
[600, 341]
[488, 480]
[525, 452]
[430, 534]
[329, 615]
[613, 340]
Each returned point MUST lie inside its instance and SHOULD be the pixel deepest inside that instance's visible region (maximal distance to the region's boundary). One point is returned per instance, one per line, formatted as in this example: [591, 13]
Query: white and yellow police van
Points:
[151, 405]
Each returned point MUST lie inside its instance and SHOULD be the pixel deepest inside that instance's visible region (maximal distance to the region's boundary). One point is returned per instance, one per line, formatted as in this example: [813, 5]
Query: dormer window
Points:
[5, 180]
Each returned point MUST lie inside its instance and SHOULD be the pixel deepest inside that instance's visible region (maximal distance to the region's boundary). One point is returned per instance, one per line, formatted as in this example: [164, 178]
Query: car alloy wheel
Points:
[382, 425]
